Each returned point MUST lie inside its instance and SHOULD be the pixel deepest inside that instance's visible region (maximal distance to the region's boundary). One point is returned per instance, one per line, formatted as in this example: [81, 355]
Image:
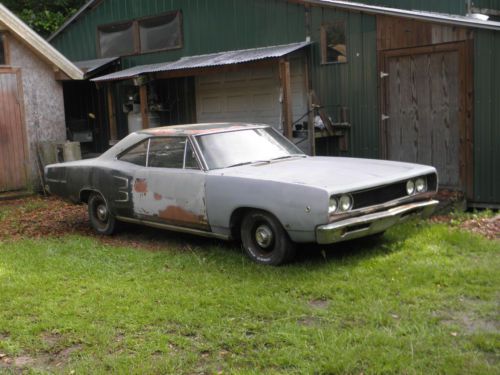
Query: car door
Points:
[171, 188]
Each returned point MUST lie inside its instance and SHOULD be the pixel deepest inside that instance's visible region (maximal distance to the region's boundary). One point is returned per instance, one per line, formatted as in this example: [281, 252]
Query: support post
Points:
[113, 133]
[286, 105]
[143, 97]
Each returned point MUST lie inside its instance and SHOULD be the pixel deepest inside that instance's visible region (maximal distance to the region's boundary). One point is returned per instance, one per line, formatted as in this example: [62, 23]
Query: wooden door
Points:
[423, 97]
[12, 136]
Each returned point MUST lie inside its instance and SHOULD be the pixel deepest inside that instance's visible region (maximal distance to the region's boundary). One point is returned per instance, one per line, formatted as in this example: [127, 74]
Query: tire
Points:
[100, 217]
[264, 239]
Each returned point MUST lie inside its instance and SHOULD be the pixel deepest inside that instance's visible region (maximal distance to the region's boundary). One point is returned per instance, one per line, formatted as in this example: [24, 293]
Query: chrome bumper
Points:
[372, 223]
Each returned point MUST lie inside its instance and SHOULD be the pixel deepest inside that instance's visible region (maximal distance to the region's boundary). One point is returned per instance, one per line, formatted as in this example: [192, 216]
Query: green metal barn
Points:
[407, 80]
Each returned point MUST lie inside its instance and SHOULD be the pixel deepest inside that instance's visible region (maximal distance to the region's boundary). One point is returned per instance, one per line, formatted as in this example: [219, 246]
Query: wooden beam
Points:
[286, 104]
[143, 98]
[113, 133]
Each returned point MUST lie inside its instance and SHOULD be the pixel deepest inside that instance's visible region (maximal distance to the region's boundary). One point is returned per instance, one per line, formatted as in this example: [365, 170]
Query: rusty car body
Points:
[243, 181]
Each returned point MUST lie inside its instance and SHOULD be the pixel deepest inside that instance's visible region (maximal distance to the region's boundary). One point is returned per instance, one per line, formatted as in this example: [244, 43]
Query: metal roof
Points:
[209, 60]
[91, 66]
[38, 44]
[452, 19]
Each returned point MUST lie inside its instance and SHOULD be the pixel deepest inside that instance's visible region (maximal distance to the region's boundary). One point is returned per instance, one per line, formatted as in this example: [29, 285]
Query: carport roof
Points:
[206, 61]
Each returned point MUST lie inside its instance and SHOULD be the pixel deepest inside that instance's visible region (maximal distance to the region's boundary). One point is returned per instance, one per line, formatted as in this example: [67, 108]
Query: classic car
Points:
[246, 182]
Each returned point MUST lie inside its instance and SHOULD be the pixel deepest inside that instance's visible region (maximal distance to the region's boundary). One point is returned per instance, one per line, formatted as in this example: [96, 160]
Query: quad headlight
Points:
[340, 203]
[333, 205]
[410, 187]
[418, 185]
[345, 202]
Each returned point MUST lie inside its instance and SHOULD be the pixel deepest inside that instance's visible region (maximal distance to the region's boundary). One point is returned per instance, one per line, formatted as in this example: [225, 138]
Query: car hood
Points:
[335, 174]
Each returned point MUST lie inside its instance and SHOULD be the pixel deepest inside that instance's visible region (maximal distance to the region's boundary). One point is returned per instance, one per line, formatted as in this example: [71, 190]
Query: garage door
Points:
[248, 95]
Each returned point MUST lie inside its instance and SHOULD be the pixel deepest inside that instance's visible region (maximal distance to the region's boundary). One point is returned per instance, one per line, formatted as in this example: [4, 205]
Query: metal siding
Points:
[353, 84]
[231, 25]
[487, 117]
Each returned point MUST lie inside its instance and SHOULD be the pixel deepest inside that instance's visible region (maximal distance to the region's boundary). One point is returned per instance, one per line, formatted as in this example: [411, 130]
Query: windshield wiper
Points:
[248, 162]
[289, 156]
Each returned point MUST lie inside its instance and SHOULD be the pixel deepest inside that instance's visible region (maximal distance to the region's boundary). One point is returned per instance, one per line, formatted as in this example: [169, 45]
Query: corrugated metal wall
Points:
[352, 84]
[487, 116]
[236, 24]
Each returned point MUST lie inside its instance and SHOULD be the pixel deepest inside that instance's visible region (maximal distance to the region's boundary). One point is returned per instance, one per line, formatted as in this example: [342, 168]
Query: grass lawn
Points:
[422, 299]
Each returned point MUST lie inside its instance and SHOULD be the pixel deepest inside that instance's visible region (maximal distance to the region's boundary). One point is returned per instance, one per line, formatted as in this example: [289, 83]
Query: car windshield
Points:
[234, 148]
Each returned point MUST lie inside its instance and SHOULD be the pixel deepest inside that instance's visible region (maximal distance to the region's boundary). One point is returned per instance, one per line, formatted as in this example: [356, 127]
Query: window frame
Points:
[324, 45]
[137, 50]
[148, 141]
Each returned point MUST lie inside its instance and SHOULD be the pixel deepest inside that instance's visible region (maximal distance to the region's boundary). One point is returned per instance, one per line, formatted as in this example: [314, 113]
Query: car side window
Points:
[137, 154]
[167, 152]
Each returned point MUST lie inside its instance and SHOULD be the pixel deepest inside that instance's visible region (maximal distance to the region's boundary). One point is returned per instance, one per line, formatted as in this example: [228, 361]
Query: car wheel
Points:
[100, 217]
[265, 240]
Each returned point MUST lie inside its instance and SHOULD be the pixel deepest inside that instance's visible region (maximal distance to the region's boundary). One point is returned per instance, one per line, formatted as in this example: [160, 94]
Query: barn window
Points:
[159, 33]
[3, 59]
[116, 39]
[333, 43]
[140, 36]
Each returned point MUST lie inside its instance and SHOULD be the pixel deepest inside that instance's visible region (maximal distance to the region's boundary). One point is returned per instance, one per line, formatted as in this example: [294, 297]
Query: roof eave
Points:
[450, 19]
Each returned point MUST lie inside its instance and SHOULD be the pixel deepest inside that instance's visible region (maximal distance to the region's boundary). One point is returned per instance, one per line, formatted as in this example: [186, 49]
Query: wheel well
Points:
[237, 217]
[85, 195]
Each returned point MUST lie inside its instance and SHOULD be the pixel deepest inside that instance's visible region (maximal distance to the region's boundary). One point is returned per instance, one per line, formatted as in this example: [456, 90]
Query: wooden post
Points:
[143, 97]
[286, 105]
[113, 133]
[310, 116]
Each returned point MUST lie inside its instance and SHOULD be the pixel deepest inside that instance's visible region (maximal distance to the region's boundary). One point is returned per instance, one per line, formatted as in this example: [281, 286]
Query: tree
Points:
[44, 16]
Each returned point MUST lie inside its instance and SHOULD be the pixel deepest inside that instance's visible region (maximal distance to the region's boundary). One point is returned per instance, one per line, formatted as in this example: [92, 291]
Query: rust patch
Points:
[141, 186]
[178, 214]
[158, 197]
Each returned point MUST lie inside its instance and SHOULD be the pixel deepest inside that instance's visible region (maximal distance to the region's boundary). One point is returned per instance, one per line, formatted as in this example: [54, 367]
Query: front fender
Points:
[299, 208]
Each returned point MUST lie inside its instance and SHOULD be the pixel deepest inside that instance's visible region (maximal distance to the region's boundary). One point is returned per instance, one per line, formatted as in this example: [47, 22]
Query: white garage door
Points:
[248, 95]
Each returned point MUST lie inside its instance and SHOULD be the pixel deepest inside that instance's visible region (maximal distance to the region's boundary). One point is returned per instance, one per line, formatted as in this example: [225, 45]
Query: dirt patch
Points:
[486, 226]
[473, 324]
[39, 217]
[319, 303]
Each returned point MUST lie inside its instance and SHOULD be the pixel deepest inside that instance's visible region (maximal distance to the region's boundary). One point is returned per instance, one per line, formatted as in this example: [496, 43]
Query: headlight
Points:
[420, 185]
[410, 187]
[345, 203]
[333, 205]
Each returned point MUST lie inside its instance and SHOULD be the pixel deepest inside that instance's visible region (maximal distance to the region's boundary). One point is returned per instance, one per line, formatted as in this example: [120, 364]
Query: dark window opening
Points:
[2, 50]
[116, 40]
[160, 33]
[167, 152]
[137, 154]
[150, 34]
[333, 43]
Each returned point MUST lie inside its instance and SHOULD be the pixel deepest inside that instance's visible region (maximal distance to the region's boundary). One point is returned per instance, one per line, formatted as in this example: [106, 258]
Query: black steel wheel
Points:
[100, 217]
[265, 240]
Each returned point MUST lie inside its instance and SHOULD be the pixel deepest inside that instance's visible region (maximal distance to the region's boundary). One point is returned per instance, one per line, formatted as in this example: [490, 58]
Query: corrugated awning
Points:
[90, 67]
[206, 61]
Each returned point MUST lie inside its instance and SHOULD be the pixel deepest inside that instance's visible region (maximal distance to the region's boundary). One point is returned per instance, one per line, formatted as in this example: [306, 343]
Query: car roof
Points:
[199, 129]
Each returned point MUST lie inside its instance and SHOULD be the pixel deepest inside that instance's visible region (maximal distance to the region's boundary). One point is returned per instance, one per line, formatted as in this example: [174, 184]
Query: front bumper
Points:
[377, 222]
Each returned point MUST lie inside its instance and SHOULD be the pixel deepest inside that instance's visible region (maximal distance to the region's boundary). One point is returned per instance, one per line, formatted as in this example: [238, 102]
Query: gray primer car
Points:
[243, 181]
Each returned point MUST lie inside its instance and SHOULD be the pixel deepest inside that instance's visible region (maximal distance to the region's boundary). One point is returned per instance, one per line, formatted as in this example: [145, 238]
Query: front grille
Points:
[382, 194]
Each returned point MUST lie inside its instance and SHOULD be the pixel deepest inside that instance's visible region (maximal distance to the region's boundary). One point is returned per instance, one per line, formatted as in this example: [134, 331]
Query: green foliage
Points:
[44, 16]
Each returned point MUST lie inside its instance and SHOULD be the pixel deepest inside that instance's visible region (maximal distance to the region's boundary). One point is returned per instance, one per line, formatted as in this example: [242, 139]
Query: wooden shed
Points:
[31, 100]
[405, 80]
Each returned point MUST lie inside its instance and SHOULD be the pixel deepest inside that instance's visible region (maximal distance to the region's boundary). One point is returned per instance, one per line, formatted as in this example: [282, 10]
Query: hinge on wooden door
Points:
[384, 74]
